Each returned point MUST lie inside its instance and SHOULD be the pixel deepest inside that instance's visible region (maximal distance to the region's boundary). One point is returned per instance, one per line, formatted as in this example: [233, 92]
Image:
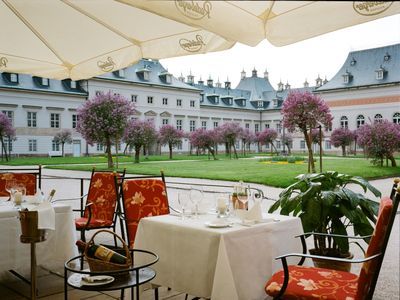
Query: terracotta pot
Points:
[334, 265]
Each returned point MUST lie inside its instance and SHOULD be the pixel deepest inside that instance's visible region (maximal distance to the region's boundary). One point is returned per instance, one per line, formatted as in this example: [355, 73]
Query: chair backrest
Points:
[142, 197]
[370, 270]
[103, 194]
[29, 177]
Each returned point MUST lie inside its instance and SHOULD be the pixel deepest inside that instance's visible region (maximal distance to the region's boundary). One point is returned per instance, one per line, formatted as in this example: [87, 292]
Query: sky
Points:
[323, 55]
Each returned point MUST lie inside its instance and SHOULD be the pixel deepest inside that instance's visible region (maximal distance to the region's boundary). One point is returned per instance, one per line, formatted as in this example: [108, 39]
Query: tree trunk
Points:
[109, 155]
[126, 148]
[343, 150]
[288, 149]
[392, 160]
[273, 147]
[4, 149]
[137, 154]
[311, 165]
[170, 150]
[210, 150]
[227, 148]
[62, 149]
[234, 151]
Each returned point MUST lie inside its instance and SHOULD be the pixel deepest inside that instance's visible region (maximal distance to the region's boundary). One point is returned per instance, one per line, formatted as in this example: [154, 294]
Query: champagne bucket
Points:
[29, 227]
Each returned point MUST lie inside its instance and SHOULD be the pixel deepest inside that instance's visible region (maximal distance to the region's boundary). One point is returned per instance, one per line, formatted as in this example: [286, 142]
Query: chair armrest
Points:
[360, 260]
[333, 235]
[69, 199]
[304, 256]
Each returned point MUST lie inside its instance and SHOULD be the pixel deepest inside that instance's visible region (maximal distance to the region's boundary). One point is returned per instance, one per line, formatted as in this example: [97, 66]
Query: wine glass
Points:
[183, 199]
[18, 194]
[10, 185]
[244, 198]
[196, 197]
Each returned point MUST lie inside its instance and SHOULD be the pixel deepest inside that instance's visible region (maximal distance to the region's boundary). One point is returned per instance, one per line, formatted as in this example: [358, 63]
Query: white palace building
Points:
[366, 87]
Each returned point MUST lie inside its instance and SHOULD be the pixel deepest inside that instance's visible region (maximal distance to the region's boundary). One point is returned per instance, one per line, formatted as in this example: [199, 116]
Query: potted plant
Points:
[325, 204]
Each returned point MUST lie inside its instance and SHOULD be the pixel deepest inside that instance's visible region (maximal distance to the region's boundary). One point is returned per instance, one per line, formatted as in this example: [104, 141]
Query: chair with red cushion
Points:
[31, 178]
[102, 203]
[299, 282]
[142, 197]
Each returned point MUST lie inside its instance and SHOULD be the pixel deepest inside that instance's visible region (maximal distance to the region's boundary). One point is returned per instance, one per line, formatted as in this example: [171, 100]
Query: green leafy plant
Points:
[325, 204]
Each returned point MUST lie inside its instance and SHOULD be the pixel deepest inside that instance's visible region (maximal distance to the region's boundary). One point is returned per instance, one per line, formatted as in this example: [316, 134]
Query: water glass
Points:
[183, 200]
[196, 197]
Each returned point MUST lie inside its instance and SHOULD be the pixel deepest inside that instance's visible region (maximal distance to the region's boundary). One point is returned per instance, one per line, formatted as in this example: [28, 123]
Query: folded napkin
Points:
[46, 216]
[255, 213]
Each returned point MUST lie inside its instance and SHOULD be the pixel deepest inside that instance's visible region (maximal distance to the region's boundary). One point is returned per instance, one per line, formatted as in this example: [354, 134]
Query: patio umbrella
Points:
[80, 39]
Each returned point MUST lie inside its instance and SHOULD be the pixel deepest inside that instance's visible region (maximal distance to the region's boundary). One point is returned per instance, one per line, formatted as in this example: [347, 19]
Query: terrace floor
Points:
[50, 285]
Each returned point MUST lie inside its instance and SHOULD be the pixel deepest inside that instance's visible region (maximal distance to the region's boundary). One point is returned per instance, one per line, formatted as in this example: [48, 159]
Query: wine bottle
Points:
[51, 195]
[102, 253]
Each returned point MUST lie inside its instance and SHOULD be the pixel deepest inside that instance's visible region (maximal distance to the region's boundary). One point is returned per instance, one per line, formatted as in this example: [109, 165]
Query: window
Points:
[215, 124]
[150, 100]
[303, 144]
[192, 125]
[344, 122]
[279, 127]
[278, 144]
[378, 118]
[260, 103]
[256, 127]
[54, 120]
[73, 84]
[75, 120]
[360, 120]
[178, 102]
[165, 121]
[247, 125]
[192, 103]
[134, 98]
[179, 124]
[55, 146]
[9, 114]
[267, 125]
[165, 101]
[328, 144]
[32, 145]
[14, 78]
[204, 124]
[8, 144]
[396, 118]
[146, 75]
[179, 145]
[31, 118]
[100, 147]
[45, 81]
[379, 74]
[121, 73]
[98, 93]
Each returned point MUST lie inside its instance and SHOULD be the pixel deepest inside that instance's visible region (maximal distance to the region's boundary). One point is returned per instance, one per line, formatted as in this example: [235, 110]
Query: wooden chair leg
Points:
[156, 293]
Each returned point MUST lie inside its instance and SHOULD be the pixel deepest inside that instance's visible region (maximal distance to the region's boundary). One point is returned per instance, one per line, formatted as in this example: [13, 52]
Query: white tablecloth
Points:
[217, 263]
[52, 253]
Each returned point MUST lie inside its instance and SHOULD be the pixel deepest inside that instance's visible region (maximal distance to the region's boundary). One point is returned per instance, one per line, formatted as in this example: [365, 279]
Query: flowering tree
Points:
[342, 137]
[315, 136]
[138, 134]
[268, 136]
[169, 135]
[62, 137]
[204, 139]
[6, 132]
[380, 140]
[103, 119]
[229, 133]
[304, 111]
[247, 138]
[287, 140]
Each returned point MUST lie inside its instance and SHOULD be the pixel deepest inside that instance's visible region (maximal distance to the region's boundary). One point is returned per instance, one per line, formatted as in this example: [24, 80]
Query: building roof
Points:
[157, 75]
[35, 84]
[361, 68]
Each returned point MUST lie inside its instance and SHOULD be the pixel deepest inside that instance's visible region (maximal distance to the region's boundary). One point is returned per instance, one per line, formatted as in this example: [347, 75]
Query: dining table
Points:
[218, 259]
[52, 253]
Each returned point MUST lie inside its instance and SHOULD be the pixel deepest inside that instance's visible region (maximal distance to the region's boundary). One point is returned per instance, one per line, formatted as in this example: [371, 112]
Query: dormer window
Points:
[14, 78]
[347, 77]
[260, 103]
[45, 81]
[146, 75]
[168, 78]
[73, 84]
[353, 62]
[380, 73]
[386, 57]
[275, 102]
[144, 72]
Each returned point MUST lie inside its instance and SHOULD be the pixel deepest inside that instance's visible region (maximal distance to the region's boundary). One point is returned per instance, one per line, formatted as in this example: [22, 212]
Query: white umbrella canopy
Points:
[80, 39]
[281, 22]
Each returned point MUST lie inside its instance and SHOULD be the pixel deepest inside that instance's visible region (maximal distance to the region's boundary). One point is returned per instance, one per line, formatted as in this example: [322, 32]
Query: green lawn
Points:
[249, 170]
